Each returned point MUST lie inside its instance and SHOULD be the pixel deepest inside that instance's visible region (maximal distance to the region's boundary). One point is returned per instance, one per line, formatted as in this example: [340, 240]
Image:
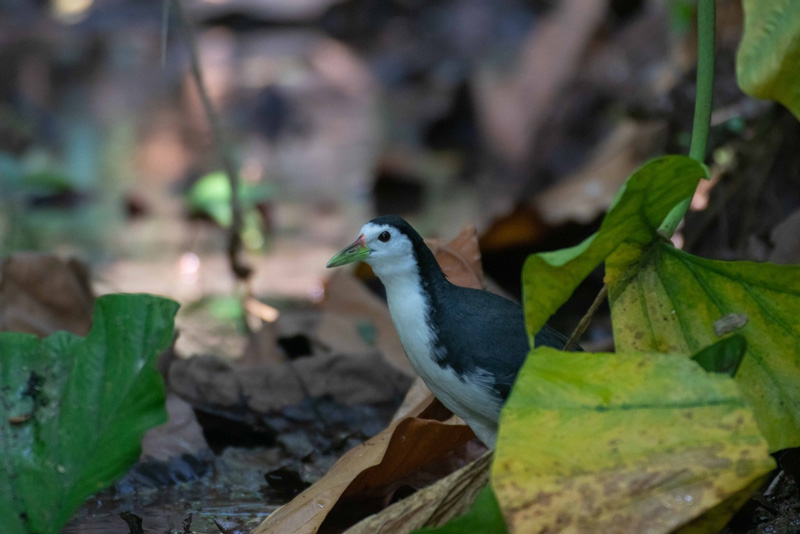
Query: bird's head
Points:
[388, 244]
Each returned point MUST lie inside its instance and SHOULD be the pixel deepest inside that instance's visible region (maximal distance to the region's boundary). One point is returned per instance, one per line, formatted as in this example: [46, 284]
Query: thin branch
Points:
[587, 318]
[240, 269]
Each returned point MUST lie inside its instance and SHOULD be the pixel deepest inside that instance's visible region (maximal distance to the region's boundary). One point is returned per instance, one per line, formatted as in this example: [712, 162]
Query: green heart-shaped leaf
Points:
[73, 410]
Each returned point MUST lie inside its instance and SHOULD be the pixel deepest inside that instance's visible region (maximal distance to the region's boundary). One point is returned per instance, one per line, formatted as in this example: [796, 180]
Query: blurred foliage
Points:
[768, 64]
[211, 196]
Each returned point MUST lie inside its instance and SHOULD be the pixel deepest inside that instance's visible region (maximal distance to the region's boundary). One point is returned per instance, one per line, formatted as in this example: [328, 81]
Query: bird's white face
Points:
[390, 251]
[386, 249]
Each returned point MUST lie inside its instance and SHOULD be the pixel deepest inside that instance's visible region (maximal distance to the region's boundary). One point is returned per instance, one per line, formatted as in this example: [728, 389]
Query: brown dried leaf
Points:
[347, 304]
[460, 259]
[433, 506]
[42, 294]
[417, 395]
[361, 482]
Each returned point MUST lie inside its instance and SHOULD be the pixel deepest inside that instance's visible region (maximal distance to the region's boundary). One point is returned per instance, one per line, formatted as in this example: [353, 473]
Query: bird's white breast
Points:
[409, 309]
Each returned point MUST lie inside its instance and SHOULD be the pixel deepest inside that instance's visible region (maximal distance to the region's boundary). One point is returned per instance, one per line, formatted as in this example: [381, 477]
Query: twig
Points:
[240, 269]
[164, 32]
[587, 318]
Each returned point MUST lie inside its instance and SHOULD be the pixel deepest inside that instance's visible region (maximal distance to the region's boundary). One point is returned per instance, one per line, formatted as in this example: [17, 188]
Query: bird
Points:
[467, 344]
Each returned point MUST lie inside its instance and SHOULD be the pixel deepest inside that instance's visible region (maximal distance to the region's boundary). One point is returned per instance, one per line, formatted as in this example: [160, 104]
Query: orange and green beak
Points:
[356, 251]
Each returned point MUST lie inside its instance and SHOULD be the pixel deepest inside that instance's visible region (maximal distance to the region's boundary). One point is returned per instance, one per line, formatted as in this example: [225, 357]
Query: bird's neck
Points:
[419, 272]
[412, 291]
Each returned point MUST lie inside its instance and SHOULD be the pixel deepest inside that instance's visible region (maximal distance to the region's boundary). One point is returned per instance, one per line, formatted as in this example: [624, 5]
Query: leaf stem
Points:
[706, 13]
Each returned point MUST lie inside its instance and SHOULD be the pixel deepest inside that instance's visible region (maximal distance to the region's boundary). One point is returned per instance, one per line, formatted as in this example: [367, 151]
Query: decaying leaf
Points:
[431, 506]
[350, 308]
[626, 442]
[484, 516]
[665, 300]
[41, 294]
[345, 378]
[460, 259]
[363, 480]
[417, 395]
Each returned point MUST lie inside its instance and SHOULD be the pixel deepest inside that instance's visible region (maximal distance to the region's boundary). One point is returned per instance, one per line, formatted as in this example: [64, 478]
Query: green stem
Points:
[706, 12]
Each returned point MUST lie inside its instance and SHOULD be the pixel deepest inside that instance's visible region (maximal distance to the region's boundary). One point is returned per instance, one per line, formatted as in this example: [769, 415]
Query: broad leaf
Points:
[627, 442]
[73, 410]
[549, 278]
[768, 63]
[665, 300]
[724, 356]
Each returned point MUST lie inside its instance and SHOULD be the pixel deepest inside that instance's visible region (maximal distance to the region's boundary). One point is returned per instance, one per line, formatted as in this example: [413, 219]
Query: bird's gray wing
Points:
[485, 333]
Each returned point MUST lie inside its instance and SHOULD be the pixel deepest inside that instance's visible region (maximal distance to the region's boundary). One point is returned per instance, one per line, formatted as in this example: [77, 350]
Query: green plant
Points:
[642, 437]
[211, 196]
[73, 410]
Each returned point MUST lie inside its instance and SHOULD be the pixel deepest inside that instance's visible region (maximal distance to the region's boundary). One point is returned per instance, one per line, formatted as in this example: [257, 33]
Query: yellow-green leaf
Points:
[768, 63]
[665, 300]
[627, 442]
[549, 278]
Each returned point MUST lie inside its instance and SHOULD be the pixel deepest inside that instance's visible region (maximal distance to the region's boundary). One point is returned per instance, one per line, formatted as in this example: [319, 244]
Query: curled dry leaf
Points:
[363, 480]
[433, 506]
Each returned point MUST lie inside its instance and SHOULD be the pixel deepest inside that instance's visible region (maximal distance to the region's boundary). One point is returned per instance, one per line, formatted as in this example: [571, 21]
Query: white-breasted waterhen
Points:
[467, 345]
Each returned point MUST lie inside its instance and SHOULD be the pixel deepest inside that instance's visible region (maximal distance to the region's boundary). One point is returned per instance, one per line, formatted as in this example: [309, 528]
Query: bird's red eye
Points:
[385, 236]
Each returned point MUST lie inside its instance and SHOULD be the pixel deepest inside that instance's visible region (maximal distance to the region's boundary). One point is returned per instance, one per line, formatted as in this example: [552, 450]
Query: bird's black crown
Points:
[425, 259]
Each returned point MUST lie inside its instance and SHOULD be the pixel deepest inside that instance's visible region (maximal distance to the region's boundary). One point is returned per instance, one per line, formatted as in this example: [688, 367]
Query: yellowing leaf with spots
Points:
[628, 442]
[665, 300]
